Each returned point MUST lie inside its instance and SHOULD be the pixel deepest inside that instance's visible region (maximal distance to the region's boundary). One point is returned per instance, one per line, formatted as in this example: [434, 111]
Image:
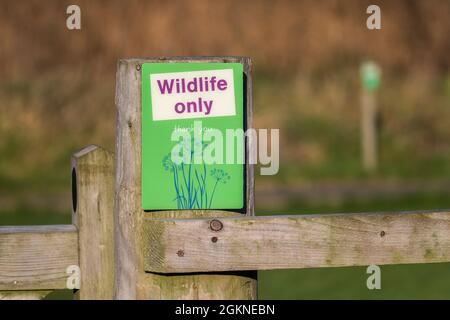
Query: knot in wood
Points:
[215, 225]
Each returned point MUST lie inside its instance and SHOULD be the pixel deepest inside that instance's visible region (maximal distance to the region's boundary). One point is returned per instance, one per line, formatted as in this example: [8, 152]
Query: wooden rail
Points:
[36, 258]
[308, 241]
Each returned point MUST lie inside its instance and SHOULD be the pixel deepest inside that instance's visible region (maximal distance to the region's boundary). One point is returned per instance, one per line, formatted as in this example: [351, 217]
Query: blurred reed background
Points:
[57, 95]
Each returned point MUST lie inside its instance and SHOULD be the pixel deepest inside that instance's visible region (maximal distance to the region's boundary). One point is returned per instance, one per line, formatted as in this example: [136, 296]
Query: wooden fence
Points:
[124, 252]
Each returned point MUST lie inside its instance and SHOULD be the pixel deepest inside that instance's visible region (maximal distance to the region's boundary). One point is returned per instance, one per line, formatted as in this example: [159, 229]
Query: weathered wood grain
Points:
[93, 204]
[309, 241]
[36, 257]
[131, 281]
[23, 295]
[248, 107]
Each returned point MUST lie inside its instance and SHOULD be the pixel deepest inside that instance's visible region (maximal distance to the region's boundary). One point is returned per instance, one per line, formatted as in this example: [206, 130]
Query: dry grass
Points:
[281, 36]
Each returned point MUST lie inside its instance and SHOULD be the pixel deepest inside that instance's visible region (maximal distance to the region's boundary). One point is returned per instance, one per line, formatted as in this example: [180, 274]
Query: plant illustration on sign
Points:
[190, 181]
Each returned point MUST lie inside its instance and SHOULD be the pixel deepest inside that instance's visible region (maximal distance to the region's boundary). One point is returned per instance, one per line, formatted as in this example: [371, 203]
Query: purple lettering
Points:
[179, 104]
[222, 84]
[213, 81]
[208, 106]
[165, 87]
[196, 84]
[192, 85]
[194, 106]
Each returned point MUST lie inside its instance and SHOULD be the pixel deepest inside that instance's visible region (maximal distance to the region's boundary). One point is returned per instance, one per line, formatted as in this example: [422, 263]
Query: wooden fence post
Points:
[92, 199]
[131, 281]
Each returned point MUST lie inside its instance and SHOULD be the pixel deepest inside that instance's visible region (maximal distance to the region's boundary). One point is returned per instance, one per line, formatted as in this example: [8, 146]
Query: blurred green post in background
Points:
[370, 80]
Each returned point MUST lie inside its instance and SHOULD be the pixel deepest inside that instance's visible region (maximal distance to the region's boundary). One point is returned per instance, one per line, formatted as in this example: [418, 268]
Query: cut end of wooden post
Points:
[92, 204]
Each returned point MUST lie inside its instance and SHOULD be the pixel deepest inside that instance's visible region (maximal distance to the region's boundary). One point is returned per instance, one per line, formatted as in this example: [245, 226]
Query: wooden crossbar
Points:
[301, 241]
[37, 257]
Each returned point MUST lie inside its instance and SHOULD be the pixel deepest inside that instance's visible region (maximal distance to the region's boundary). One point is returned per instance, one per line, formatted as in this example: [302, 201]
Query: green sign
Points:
[188, 159]
[370, 76]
